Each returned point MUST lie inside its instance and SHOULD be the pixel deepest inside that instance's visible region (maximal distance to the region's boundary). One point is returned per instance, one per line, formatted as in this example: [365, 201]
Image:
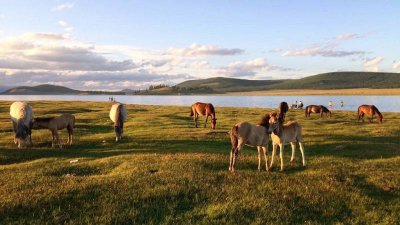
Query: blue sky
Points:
[111, 45]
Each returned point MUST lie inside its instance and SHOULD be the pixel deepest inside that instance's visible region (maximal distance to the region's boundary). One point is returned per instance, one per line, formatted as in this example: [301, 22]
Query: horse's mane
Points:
[212, 108]
[324, 108]
[377, 111]
[264, 121]
[43, 119]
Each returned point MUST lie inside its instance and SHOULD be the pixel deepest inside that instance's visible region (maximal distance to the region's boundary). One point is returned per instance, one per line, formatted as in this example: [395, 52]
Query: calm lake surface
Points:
[384, 103]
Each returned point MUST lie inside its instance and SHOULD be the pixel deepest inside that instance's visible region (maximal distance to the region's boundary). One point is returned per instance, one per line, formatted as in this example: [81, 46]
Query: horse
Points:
[54, 124]
[244, 133]
[282, 134]
[22, 118]
[283, 108]
[118, 115]
[317, 109]
[370, 110]
[204, 109]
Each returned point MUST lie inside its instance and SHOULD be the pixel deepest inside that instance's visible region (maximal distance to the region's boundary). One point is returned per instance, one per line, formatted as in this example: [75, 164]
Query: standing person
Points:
[297, 106]
[341, 103]
[330, 104]
[300, 106]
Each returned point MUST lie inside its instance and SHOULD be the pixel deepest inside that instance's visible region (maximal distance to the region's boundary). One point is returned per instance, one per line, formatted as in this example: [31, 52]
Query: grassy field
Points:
[167, 172]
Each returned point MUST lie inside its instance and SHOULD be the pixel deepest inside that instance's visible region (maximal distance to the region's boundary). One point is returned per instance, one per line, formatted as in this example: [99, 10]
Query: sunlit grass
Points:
[165, 171]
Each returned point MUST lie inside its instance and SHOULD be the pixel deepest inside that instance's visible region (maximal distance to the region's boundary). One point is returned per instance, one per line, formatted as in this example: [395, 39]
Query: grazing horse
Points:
[317, 109]
[118, 115]
[22, 118]
[283, 108]
[370, 110]
[282, 134]
[204, 109]
[54, 124]
[244, 133]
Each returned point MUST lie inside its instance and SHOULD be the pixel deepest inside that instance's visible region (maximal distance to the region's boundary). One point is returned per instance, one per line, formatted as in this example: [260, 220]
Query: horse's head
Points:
[118, 133]
[21, 134]
[213, 122]
[380, 117]
[274, 123]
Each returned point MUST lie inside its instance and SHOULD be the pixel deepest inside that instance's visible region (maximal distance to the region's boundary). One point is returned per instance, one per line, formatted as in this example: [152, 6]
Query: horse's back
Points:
[116, 110]
[252, 135]
[21, 110]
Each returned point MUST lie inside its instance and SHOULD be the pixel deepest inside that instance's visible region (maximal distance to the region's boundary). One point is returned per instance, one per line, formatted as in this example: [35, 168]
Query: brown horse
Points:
[317, 109]
[204, 109]
[283, 108]
[245, 133]
[57, 123]
[370, 110]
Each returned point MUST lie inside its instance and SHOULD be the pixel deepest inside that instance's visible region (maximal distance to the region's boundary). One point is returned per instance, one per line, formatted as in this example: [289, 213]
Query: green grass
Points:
[352, 176]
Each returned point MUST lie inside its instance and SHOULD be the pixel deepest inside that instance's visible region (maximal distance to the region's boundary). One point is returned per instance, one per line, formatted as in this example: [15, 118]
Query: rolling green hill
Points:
[48, 89]
[335, 80]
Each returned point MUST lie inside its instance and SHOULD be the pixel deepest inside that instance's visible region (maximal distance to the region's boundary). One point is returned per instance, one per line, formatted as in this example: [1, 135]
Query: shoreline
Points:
[294, 92]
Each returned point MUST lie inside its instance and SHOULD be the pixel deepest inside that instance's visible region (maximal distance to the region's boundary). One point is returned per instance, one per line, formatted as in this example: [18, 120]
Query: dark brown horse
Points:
[370, 110]
[57, 123]
[283, 108]
[317, 109]
[204, 109]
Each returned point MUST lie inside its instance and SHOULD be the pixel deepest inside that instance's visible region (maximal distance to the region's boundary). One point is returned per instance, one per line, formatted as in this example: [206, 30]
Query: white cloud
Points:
[203, 50]
[373, 61]
[349, 36]
[64, 6]
[66, 26]
[371, 64]
[249, 68]
[323, 50]
[396, 66]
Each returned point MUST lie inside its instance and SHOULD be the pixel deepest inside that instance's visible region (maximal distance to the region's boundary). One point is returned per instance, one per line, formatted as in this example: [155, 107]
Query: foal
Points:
[57, 123]
[282, 134]
[245, 133]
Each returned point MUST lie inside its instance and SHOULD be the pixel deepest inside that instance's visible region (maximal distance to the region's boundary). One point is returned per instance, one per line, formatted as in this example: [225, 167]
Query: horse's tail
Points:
[119, 116]
[191, 111]
[73, 121]
[359, 112]
[234, 138]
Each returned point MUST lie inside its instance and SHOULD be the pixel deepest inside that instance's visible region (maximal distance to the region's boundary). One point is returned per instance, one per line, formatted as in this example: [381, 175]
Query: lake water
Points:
[384, 103]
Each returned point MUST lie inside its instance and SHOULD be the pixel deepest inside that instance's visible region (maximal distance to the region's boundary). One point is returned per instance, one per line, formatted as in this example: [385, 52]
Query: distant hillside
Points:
[335, 80]
[40, 89]
[48, 89]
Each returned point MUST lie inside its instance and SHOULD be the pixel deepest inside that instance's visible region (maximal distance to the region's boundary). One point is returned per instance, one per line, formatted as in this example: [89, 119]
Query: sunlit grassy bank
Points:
[165, 171]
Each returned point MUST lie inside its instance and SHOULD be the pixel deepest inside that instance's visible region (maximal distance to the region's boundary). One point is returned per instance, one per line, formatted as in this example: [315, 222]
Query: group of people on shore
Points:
[300, 105]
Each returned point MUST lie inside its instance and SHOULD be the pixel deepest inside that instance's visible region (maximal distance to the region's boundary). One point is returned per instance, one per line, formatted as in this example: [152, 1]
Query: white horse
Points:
[118, 115]
[22, 119]
[245, 133]
[282, 134]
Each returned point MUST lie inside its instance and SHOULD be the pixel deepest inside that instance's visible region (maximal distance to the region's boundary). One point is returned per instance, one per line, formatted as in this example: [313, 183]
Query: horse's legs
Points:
[281, 146]
[53, 134]
[205, 123]
[233, 150]
[302, 153]
[195, 119]
[293, 144]
[265, 150]
[70, 133]
[259, 158]
[274, 146]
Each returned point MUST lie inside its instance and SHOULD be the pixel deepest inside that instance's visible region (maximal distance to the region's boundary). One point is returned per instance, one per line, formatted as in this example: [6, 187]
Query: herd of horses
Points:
[271, 126]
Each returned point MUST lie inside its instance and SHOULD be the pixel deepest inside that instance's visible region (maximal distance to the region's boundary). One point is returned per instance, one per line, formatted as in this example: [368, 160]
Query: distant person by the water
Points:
[341, 103]
[300, 105]
[330, 104]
